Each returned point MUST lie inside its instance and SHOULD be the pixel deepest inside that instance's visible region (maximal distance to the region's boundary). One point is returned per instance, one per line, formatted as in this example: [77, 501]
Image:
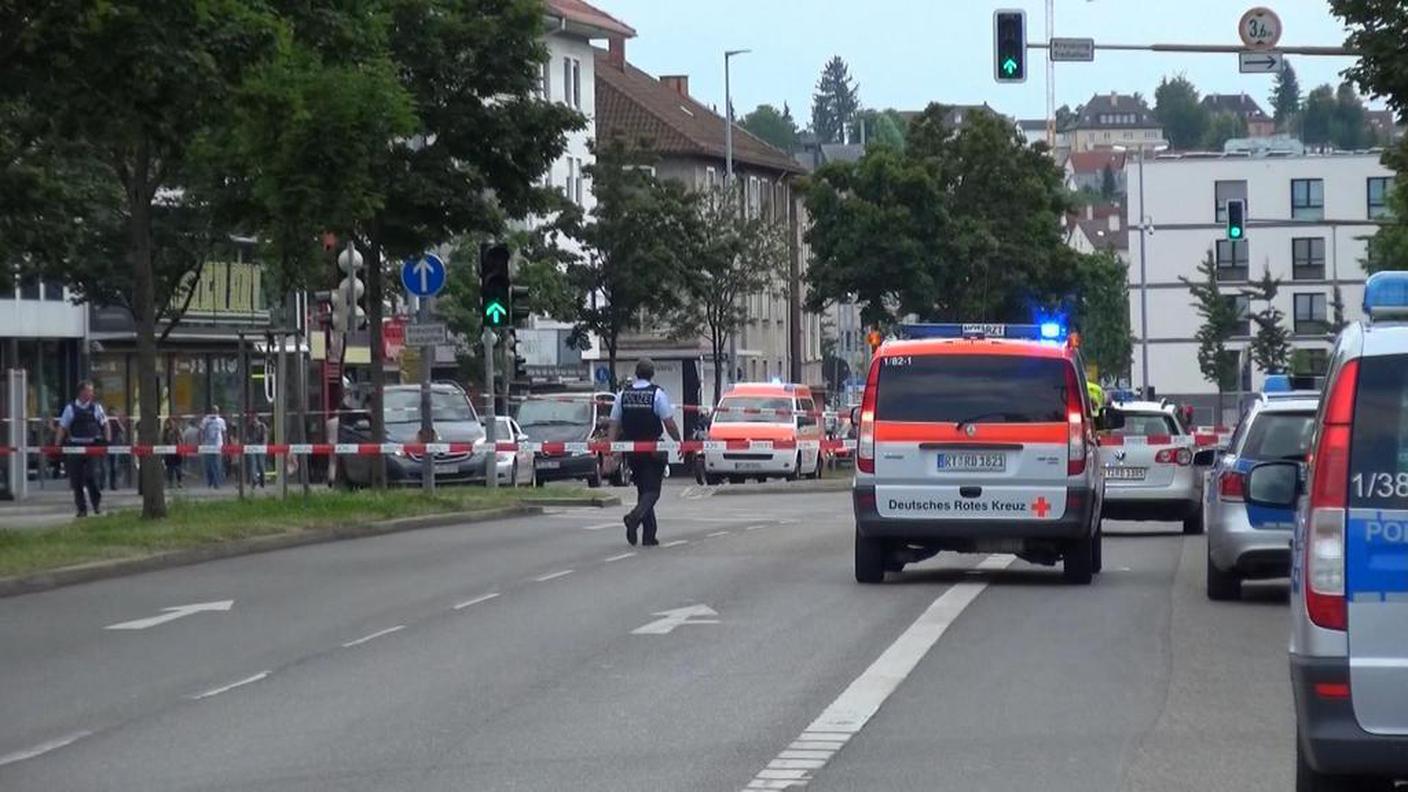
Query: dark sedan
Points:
[454, 420]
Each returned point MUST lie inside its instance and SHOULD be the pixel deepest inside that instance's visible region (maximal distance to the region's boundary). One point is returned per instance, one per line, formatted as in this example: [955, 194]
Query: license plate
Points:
[1126, 473]
[968, 462]
[450, 469]
[549, 465]
[750, 465]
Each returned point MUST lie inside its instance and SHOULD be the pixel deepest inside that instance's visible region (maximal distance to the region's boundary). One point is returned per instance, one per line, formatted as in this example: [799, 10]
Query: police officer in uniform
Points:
[640, 413]
[83, 423]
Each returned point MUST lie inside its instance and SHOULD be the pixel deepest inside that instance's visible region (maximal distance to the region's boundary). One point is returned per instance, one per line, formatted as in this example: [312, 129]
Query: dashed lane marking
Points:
[847, 715]
[602, 526]
[227, 688]
[755, 527]
[675, 543]
[43, 748]
[719, 533]
[373, 636]
[621, 557]
[476, 600]
[552, 576]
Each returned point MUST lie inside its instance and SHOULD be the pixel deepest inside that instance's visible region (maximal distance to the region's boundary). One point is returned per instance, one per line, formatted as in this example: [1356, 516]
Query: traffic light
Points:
[1236, 220]
[518, 309]
[347, 311]
[1010, 45]
[495, 288]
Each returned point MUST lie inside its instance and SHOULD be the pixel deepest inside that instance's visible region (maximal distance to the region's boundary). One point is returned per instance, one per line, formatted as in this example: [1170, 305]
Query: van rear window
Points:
[972, 389]
[1378, 451]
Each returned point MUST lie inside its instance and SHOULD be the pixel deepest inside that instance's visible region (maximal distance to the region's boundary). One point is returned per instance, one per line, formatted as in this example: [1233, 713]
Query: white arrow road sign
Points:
[172, 614]
[1261, 61]
[671, 619]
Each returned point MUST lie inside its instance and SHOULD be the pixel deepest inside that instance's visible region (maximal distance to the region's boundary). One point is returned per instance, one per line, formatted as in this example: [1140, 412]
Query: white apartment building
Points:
[1307, 221]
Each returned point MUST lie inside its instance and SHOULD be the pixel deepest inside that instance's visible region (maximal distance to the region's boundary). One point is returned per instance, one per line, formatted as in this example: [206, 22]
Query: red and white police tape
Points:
[417, 449]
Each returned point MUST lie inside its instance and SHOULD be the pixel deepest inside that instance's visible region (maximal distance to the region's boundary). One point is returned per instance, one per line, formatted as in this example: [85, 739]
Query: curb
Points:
[598, 502]
[103, 570]
[800, 488]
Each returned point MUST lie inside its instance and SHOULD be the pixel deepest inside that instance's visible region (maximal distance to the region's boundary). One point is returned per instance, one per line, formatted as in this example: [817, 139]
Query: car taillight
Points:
[1075, 421]
[1232, 486]
[1325, 602]
[865, 435]
[1174, 456]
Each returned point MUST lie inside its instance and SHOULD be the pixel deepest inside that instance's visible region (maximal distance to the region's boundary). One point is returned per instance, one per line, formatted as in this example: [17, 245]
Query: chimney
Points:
[679, 83]
[1114, 99]
[616, 52]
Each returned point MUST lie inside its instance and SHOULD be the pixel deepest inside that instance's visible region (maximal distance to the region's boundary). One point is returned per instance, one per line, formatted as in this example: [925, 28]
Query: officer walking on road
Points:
[640, 413]
[83, 423]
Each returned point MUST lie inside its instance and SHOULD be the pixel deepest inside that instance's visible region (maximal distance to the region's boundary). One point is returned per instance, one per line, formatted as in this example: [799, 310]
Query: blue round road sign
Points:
[423, 277]
[603, 374]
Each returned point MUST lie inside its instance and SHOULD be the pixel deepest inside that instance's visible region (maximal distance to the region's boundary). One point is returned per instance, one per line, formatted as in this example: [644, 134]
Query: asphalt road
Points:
[531, 654]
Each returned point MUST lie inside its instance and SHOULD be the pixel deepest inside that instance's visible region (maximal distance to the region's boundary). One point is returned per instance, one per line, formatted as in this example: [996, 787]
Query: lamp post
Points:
[1145, 229]
[728, 185]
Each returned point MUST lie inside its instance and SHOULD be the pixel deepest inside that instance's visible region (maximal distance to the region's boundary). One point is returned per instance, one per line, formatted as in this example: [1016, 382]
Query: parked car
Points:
[515, 467]
[564, 419]
[452, 417]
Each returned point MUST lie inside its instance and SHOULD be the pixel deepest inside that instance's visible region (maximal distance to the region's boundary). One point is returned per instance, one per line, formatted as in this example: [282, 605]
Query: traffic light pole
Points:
[491, 466]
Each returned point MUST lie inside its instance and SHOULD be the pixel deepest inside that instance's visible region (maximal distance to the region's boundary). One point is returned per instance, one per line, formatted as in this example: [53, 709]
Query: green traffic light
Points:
[1010, 66]
[495, 312]
[1235, 232]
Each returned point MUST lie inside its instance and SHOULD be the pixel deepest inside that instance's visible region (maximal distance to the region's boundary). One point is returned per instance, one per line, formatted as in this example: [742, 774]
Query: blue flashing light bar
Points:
[1276, 383]
[1046, 331]
[1386, 295]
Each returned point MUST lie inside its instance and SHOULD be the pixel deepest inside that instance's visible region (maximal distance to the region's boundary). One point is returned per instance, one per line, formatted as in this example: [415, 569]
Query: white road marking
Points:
[43, 748]
[675, 543]
[373, 636]
[229, 687]
[755, 527]
[859, 702]
[678, 617]
[552, 576]
[719, 533]
[476, 601]
[172, 614]
[602, 526]
[620, 557]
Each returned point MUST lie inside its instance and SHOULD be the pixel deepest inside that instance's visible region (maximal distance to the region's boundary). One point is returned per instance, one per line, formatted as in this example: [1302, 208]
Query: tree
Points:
[1317, 118]
[730, 256]
[775, 128]
[1337, 320]
[1285, 99]
[1271, 343]
[1066, 117]
[1109, 186]
[1222, 128]
[1349, 130]
[1101, 312]
[1183, 117]
[1220, 320]
[633, 263]
[835, 102]
[889, 130]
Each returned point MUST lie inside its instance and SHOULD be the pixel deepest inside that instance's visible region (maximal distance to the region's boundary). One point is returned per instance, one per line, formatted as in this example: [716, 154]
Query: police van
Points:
[1349, 575]
[977, 439]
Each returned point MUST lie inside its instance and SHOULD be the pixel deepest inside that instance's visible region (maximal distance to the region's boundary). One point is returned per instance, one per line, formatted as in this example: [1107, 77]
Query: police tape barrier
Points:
[419, 449]
[1199, 440]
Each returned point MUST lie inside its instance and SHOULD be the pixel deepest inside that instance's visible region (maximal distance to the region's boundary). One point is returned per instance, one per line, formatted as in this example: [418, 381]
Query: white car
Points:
[515, 467]
[1149, 470]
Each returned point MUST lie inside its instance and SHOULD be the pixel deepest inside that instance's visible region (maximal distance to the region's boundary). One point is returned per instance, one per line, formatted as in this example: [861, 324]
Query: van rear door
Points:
[972, 435]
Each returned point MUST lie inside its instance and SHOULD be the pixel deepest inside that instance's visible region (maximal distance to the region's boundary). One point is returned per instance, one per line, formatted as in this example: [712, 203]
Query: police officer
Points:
[640, 413]
[83, 423]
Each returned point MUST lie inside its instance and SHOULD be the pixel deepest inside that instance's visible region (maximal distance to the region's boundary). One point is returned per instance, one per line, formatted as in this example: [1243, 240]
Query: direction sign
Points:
[423, 277]
[1260, 28]
[1072, 49]
[421, 335]
[1261, 61]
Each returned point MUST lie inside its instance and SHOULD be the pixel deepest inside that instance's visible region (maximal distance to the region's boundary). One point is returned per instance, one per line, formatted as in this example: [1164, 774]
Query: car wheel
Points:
[513, 475]
[1223, 586]
[816, 474]
[1193, 526]
[1078, 565]
[1097, 552]
[870, 559]
[594, 480]
[713, 479]
[796, 468]
[1308, 779]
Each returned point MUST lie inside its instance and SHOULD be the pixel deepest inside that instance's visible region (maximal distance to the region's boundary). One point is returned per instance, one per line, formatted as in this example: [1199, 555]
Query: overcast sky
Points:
[907, 53]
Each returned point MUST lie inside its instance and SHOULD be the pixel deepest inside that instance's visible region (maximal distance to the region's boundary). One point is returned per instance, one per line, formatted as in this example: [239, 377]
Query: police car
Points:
[1149, 471]
[1349, 579]
[977, 439]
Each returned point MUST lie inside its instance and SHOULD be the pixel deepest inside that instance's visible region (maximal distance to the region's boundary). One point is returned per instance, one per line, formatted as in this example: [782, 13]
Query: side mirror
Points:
[1205, 458]
[855, 416]
[1274, 484]
[1109, 419]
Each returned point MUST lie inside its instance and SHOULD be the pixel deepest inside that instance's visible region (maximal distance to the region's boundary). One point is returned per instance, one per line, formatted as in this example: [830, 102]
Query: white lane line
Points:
[675, 543]
[719, 533]
[229, 687]
[43, 748]
[476, 600]
[859, 702]
[621, 557]
[755, 527]
[552, 576]
[373, 636]
[602, 526]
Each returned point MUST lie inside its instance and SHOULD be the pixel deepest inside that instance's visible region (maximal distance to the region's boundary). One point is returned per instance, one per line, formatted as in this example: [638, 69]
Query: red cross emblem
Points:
[1041, 507]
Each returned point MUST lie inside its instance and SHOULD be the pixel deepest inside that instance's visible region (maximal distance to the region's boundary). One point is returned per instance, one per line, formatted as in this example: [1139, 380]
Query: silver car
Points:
[1149, 471]
[1249, 541]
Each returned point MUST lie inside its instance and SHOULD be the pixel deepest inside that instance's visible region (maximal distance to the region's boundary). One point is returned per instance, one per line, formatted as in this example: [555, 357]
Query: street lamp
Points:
[728, 186]
[1145, 229]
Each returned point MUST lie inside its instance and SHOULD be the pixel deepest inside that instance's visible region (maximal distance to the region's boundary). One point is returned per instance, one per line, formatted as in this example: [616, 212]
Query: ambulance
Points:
[783, 413]
[978, 438]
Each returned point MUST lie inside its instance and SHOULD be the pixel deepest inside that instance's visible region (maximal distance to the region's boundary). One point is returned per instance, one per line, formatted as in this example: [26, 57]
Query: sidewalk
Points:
[53, 505]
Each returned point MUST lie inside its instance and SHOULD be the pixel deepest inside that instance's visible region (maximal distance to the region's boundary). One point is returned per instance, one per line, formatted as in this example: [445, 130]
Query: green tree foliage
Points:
[1285, 99]
[730, 256]
[1101, 311]
[835, 102]
[1183, 117]
[1066, 117]
[889, 130]
[774, 127]
[1109, 186]
[1223, 127]
[962, 225]
[1317, 117]
[1220, 320]
[1271, 342]
[1350, 130]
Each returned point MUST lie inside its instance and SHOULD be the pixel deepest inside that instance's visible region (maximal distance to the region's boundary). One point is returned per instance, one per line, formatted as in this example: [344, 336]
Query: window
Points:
[711, 177]
[1242, 304]
[1310, 362]
[29, 289]
[1311, 314]
[1379, 187]
[1308, 258]
[578, 181]
[53, 290]
[1307, 199]
[1232, 258]
[1224, 191]
[974, 388]
[1380, 438]
[545, 81]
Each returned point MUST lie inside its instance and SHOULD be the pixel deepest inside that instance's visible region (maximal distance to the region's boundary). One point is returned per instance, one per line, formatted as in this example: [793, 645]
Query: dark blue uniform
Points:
[638, 410]
[84, 423]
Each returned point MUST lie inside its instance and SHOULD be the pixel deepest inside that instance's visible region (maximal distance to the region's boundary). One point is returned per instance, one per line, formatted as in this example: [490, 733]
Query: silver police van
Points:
[1349, 574]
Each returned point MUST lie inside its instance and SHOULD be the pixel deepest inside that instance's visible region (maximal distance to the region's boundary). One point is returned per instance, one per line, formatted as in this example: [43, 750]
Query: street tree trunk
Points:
[716, 347]
[139, 196]
[378, 379]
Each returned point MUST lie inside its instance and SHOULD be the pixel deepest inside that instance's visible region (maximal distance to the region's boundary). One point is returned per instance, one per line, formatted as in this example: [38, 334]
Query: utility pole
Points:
[491, 465]
[728, 186]
[427, 423]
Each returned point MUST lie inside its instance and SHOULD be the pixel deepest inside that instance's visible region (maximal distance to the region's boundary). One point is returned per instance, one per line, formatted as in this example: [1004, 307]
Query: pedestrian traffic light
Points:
[495, 288]
[1010, 45]
[1236, 220]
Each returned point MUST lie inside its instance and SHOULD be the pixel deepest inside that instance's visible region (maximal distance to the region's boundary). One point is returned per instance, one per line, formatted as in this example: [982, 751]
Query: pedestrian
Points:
[171, 436]
[640, 413]
[213, 431]
[258, 434]
[83, 424]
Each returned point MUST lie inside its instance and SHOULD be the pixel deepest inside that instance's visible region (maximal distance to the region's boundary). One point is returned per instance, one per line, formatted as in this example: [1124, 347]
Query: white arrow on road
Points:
[675, 618]
[172, 614]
